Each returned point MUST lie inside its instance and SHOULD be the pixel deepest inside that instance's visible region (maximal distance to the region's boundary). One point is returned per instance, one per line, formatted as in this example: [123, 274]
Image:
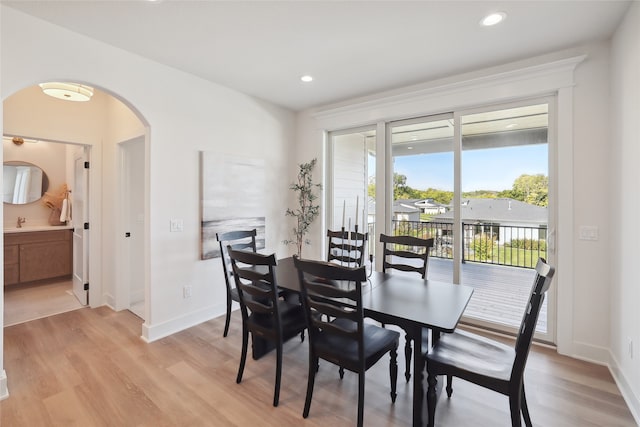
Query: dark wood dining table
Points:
[409, 302]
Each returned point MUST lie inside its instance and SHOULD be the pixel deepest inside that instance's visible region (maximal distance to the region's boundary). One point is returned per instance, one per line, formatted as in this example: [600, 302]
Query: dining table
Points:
[409, 302]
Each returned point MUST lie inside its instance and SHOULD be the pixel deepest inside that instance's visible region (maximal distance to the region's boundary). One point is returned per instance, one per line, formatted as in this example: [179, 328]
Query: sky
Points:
[489, 169]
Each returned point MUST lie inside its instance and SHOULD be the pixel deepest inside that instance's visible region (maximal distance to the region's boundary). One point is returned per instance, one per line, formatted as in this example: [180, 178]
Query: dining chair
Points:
[331, 291]
[347, 248]
[237, 240]
[411, 254]
[489, 363]
[264, 313]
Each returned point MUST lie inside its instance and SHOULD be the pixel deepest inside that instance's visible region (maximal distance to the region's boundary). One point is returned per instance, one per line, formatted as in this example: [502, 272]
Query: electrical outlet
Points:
[176, 225]
[187, 291]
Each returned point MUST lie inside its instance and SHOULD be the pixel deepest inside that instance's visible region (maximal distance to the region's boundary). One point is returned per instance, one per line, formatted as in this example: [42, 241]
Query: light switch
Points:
[588, 232]
[176, 225]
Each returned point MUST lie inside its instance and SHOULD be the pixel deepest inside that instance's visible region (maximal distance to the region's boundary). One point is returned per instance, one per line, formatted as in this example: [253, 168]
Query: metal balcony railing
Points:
[482, 242]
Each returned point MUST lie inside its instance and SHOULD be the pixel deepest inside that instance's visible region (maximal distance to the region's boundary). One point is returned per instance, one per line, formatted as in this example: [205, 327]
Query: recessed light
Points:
[493, 19]
[306, 79]
[409, 148]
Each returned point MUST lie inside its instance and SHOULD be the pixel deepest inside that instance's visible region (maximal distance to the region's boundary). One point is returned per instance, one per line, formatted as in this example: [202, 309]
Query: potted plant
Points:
[307, 211]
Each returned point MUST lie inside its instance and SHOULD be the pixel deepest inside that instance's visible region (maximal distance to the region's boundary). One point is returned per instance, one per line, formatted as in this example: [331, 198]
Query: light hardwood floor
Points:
[23, 303]
[89, 367]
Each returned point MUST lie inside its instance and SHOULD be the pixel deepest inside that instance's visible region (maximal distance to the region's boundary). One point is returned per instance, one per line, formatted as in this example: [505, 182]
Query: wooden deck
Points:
[500, 294]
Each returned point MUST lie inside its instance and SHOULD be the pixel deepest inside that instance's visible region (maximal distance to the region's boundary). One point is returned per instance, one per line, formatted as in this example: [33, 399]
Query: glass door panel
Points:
[504, 210]
[422, 170]
[352, 181]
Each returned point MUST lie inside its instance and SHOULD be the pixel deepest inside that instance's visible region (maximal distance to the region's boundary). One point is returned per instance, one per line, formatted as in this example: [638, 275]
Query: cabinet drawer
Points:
[44, 260]
[37, 236]
[11, 254]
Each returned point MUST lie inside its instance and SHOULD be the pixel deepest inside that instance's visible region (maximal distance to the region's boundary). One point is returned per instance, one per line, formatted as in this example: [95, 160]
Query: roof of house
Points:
[405, 206]
[429, 203]
[498, 210]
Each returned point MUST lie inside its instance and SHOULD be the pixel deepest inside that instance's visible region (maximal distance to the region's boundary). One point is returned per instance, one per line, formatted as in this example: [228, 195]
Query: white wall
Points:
[624, 146]
[184, 115]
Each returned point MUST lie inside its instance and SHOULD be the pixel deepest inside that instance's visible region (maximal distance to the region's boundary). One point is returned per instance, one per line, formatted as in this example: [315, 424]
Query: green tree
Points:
[532, 189]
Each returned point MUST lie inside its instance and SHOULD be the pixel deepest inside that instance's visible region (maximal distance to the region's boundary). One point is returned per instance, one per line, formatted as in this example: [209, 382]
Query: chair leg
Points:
[449, 386]
[525, 409]
[313, 364]
[393, 373]
[243, 356]
[514, 407]
[276, 391]
[432, 381]
[360, 399]
[228, 317]
[302, 336]
[341, 372]
[407, 357]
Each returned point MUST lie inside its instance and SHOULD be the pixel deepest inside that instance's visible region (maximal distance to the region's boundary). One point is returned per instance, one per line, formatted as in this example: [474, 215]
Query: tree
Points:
[532, 189]
[307, 210]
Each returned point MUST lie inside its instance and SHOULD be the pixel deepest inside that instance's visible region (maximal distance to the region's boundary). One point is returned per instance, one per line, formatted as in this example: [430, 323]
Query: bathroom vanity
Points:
[37, 254]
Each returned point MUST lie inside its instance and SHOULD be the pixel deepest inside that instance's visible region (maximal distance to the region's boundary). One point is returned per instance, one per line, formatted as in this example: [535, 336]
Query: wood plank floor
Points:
[90, 368]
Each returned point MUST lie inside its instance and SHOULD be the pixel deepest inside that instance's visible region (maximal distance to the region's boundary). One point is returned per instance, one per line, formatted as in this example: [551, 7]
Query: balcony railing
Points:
[483, 242]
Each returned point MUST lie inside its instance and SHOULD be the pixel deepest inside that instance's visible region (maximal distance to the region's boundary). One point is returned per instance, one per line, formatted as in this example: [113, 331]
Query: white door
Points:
[80, 218]
[133, 221]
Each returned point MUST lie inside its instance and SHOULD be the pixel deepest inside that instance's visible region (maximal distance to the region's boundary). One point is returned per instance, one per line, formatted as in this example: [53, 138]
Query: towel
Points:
[64, 211]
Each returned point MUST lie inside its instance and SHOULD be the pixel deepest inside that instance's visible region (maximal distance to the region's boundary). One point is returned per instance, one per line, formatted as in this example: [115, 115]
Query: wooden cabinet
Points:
[37, 255]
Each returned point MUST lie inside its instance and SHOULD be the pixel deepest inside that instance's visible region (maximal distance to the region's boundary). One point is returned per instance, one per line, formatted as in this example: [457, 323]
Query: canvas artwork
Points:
[232, 198]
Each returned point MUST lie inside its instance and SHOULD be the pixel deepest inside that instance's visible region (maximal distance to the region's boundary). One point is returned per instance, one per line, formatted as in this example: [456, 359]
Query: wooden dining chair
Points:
[489, 363]
[347, 248]
[411, 254]
[237, 240]
[331, 291]
[264, 313]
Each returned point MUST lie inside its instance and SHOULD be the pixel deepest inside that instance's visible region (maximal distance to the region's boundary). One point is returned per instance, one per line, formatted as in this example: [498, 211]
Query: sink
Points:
[26, 229]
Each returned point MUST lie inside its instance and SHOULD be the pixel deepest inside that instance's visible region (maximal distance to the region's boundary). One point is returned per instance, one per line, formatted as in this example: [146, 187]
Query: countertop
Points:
[27, 229]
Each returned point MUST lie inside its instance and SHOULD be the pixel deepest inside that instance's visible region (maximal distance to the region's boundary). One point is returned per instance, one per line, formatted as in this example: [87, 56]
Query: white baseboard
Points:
[632, 399]
[4, 390]
[155, 332]
[589, 353]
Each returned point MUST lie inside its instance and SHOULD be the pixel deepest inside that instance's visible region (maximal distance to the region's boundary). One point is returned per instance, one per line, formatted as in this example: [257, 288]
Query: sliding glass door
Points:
[476, 181]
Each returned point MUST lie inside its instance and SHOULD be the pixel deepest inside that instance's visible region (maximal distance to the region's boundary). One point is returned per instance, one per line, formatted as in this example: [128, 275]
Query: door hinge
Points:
[86, 225]
[86, 286]
[86, 165]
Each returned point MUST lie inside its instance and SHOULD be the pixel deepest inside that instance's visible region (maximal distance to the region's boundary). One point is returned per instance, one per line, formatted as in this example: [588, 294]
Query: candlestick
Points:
[344, 205]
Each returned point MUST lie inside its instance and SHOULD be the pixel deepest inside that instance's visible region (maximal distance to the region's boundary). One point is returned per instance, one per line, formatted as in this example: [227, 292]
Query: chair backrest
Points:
[330, 291]
[257, 288]
[347, 248]
[541, 283]
[406, 249]
[241, 239]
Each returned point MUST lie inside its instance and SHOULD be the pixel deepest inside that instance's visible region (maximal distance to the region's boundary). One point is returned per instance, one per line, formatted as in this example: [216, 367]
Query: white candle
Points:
[344, 205]
[364, 223]
[357, 200]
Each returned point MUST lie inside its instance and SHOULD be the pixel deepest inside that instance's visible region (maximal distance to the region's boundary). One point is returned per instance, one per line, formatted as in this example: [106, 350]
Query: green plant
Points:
[307, 211]
[483, 246]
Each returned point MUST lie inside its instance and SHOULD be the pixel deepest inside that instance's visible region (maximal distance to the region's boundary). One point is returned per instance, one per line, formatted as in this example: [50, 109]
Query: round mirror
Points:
[23, 183]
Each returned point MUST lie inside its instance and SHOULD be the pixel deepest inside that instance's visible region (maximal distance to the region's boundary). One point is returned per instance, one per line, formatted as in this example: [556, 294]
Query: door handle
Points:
[127, 234]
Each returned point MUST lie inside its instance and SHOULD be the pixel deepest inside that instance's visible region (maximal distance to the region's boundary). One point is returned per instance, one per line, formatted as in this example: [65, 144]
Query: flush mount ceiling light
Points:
[306, 79]
[493, 19]
[68, 91]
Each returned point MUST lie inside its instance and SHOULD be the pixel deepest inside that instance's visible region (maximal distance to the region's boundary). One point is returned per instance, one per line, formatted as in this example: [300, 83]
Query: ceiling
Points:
[351, 48]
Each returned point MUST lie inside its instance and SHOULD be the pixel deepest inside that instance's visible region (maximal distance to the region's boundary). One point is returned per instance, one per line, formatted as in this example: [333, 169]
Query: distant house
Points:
[506, 219]
[431, 207]
[406, 210]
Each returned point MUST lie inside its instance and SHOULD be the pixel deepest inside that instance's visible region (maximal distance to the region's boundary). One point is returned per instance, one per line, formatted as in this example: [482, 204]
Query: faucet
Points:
[21, 220]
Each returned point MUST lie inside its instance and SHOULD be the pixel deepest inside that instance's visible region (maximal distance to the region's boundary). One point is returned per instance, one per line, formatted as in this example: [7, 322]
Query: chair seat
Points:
[344, 352]
[472, 356]
[292, 320]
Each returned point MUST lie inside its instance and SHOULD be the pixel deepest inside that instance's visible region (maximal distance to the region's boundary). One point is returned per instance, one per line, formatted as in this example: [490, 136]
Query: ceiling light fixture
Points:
[306, 79]
[493, 19]
[68, 91]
